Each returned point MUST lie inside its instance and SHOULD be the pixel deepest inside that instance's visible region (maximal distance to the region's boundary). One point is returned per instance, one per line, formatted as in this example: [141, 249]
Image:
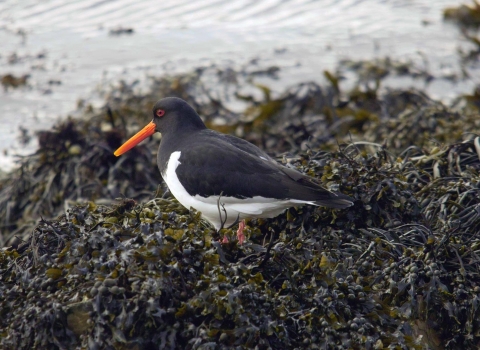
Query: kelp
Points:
[397, 270]
[11, 81]
[402, 260]
[467, 18]
[465, 15]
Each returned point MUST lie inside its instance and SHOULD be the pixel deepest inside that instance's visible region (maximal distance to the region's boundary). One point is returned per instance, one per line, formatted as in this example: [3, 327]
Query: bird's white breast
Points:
[255, 207]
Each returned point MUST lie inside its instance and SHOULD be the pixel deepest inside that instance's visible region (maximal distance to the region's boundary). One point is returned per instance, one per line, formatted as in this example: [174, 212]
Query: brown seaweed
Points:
[399, 269]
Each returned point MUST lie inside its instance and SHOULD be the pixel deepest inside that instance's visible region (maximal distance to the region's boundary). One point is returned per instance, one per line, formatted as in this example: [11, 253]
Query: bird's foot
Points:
[240, 235]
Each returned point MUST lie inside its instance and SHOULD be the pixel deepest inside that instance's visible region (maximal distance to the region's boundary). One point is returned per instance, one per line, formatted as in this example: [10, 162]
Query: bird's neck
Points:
[172, 142]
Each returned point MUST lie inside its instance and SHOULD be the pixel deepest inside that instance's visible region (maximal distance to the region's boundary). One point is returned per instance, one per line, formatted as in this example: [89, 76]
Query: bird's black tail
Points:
[335, 200]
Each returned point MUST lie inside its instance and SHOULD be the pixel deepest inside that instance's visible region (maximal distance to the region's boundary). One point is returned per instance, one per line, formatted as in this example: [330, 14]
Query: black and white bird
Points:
[225, 178]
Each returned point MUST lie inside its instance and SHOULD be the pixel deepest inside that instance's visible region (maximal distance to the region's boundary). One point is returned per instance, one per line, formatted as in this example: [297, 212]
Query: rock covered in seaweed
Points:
[397, 270]
[383, 273]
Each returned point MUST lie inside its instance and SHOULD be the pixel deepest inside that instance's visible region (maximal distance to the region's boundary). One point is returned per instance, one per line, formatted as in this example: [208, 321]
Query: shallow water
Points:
[66, 48]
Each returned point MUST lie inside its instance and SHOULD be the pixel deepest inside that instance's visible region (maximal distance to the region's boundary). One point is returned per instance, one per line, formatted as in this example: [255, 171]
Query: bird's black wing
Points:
[213, 165]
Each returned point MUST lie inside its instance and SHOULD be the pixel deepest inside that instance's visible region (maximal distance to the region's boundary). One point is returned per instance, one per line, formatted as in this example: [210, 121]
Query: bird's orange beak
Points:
[147, 131]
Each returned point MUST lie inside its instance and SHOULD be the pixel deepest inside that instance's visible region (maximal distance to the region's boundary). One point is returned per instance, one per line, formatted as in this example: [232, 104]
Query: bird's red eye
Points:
[159, 113]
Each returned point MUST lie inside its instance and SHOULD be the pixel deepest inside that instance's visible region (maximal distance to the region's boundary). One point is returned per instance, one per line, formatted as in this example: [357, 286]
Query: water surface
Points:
[66, 48]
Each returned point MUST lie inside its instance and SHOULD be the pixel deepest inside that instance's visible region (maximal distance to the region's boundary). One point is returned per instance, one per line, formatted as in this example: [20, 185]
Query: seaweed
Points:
[464, 15]
[397, 270]
[12, 81]
[467, 17]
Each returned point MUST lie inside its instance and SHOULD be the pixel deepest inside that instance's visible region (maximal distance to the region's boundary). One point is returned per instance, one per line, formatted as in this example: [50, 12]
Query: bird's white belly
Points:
[235, 208]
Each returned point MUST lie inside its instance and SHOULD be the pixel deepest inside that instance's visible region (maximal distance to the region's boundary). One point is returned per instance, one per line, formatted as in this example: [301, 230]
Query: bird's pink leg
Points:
[240, 235]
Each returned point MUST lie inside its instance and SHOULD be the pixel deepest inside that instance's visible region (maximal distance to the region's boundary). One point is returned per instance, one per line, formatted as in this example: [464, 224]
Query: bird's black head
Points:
[173, 115]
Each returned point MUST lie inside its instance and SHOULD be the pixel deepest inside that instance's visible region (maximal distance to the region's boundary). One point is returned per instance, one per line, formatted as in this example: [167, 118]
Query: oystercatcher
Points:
[225, 178]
